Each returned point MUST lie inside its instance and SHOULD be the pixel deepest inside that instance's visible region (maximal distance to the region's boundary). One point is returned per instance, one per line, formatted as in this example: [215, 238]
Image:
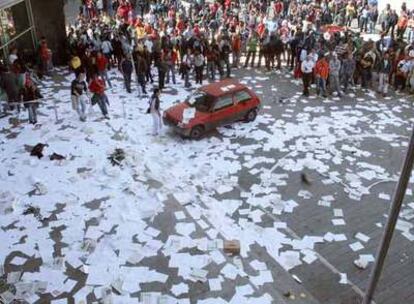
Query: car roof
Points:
[223, 87]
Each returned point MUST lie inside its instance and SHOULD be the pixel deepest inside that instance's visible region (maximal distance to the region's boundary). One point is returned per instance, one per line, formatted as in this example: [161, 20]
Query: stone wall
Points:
[49, 20]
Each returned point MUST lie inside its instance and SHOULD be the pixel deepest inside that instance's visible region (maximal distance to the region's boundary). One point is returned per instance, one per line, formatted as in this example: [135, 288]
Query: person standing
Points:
[251, 50]
[384, 72]
[97, 87]
[321, 75]
[348, 69]
[334, 68]
[171, 59]
[199, 66]
[236, 48]
[187, 63]
[9, 81]
[126, 70]
[307, 71]
[162, 72]
[211, 63]
[154, 110]
[30, 94]
[78, 95]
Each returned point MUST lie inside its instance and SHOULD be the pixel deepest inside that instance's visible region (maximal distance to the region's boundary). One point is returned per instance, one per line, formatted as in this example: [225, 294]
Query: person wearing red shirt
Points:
[97, 87]
[102, 67]
[236, 49]
[321, 75]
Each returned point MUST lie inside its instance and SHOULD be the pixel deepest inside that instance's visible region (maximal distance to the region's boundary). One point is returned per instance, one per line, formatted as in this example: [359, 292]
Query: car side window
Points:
[223, 102]
[241, 96]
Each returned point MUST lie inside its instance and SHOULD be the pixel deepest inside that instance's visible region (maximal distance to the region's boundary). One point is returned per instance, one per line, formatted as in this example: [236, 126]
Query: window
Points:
[200, 101]
[14, 20]
[241, 96]
[223, 102]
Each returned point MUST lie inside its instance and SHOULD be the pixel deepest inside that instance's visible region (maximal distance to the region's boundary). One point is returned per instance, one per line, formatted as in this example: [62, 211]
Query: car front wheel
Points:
[251, 115]
[196, 132]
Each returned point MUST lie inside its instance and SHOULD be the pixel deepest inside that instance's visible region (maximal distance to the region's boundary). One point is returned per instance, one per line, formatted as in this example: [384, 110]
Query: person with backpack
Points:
[30, 94]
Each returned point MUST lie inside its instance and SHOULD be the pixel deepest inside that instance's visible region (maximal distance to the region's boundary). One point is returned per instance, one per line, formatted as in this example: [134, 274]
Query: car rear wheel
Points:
[196, 132]
[251, 115]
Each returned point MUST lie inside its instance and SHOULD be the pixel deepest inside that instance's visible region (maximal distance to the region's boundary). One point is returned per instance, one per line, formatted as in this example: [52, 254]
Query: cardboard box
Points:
[232, 247]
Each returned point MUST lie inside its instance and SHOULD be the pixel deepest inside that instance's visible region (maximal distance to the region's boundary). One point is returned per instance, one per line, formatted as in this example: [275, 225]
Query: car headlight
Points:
[181, 124]
[164, 114]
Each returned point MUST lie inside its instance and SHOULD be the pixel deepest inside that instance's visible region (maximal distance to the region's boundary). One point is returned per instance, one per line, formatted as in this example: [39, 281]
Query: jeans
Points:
[236, 59]
[321, 86]
[104, 76]
[127, 81]
[32, 111]
[346, 80]
[211, 70]
[251, 54]
[186, 75]
[79, 105]
[156, 123]
[307, 79]
[334, 83]
[102, 103]
[383, 83]
[199, 74]
[365, 77]
[171, 69]
[410, 35]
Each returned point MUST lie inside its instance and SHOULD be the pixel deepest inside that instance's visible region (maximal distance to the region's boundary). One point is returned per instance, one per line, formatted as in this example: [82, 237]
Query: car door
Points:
[241, 104]
[222, 110]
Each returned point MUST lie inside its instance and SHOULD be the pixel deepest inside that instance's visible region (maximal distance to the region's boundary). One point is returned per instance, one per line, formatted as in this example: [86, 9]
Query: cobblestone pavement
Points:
[155, 224]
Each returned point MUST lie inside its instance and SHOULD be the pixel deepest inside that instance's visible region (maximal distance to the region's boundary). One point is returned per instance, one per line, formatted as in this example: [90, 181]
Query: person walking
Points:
[307, 70]
[154, 110]
[78, 95]
[321, 75]
[97, 87]
[102, 66]
[141, 71]
[30, 94]
[126, 70]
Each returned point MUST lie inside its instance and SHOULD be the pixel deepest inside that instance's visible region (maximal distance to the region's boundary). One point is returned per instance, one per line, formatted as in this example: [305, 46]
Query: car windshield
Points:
[199, 100]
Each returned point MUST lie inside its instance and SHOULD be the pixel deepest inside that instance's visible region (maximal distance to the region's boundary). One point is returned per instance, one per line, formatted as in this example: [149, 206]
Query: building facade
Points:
[16, 28]
[24, 22]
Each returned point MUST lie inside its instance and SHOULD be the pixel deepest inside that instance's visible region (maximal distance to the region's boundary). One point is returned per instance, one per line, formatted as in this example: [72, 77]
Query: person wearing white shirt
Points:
[307, 71]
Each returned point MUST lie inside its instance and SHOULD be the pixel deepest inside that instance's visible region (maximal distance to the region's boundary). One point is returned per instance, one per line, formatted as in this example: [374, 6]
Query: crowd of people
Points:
[323, 42]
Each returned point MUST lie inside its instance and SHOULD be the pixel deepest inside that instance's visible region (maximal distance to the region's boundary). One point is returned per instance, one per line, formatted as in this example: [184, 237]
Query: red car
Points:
[211, 106]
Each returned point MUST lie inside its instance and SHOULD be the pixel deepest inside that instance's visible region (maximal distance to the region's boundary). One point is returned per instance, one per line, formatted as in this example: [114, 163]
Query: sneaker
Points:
[107, 117]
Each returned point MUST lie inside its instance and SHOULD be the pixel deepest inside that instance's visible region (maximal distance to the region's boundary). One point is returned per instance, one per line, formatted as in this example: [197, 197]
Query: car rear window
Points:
[242, 96]
[223, 102]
